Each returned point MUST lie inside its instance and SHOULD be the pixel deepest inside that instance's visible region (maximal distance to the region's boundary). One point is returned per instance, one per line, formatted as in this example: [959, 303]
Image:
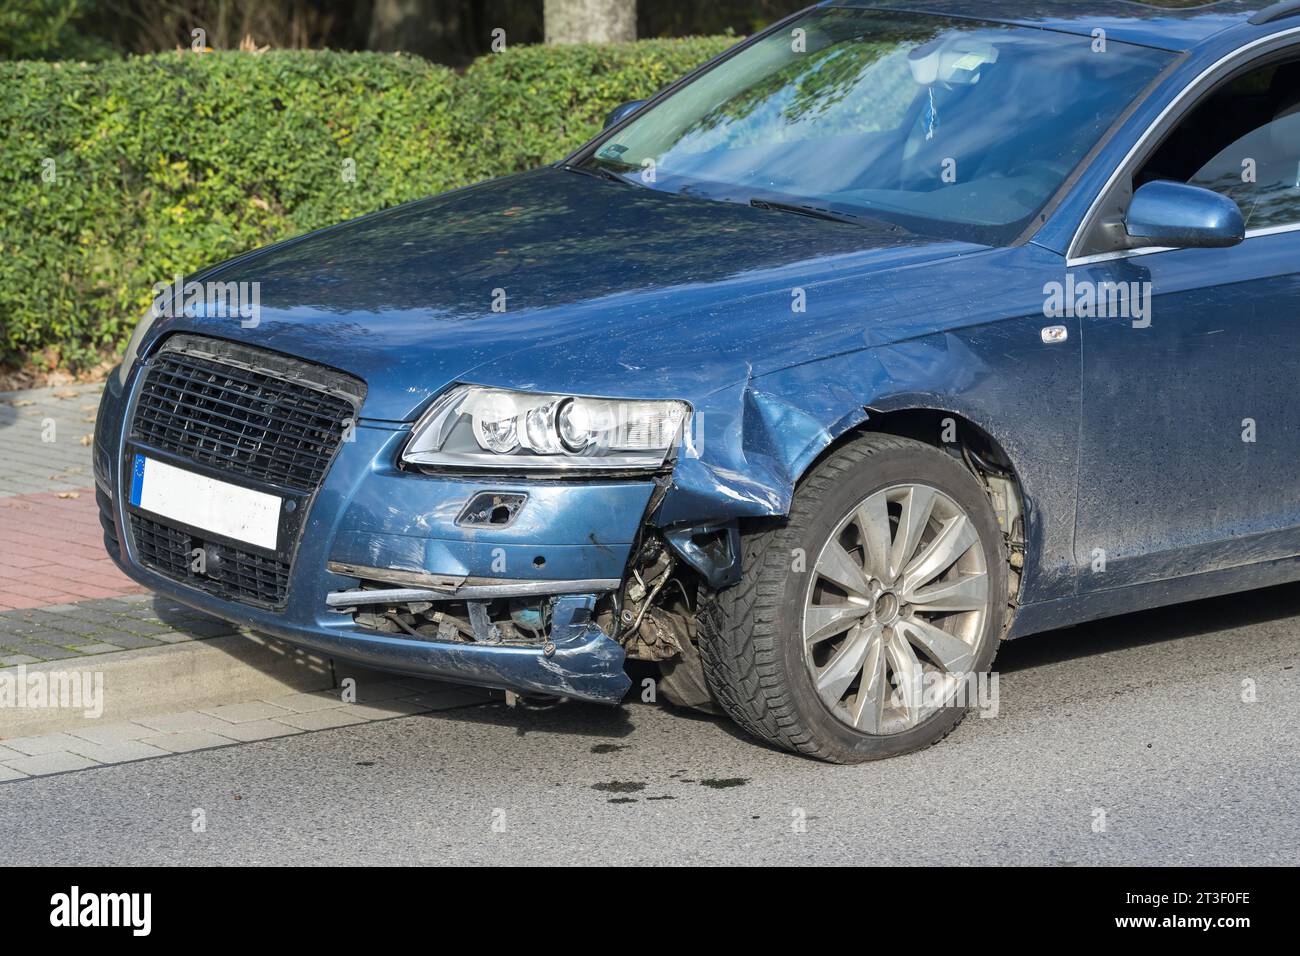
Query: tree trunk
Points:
[590, 21]
[428, 28]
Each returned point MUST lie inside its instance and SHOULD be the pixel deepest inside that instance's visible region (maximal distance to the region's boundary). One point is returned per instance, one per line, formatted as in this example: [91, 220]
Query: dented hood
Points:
[553, 280]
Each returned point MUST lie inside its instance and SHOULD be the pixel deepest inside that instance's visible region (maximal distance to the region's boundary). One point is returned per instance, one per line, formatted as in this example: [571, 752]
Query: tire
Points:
[752, 636]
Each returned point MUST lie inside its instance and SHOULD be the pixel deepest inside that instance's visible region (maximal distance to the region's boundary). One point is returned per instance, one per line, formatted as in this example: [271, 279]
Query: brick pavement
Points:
[61, 596]
[53, 551]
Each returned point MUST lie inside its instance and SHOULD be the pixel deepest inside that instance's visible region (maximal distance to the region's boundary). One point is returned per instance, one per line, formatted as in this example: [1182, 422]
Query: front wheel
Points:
[860, 622]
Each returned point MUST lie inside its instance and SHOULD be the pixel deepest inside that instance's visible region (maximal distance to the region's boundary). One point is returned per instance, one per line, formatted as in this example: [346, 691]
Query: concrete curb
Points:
[174, 677]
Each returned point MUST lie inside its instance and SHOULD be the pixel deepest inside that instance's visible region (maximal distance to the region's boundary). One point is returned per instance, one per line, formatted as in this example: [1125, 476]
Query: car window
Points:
[1243, 142]
[951, 128]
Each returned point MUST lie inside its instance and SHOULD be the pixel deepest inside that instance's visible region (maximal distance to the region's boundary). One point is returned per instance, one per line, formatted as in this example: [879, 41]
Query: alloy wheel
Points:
[895, 607]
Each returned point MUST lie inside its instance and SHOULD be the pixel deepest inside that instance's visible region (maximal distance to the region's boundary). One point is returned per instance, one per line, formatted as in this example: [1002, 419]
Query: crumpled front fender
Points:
[752, 442]
[749, 446]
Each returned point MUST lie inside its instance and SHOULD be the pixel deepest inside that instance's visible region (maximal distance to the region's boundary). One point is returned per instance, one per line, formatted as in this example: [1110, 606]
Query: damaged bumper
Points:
[371, 534]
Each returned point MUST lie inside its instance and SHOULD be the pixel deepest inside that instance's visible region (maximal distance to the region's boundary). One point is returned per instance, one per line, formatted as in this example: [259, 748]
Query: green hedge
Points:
[164, 164]
[531, 105]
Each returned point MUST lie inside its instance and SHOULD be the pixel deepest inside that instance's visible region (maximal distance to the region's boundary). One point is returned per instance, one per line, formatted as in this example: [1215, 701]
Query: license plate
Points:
[207, 504]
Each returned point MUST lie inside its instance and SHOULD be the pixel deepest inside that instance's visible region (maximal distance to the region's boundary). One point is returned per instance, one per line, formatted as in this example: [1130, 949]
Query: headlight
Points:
[473, 427]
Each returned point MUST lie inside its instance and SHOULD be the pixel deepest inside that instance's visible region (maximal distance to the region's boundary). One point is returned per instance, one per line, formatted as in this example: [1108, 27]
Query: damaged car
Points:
[882, 338]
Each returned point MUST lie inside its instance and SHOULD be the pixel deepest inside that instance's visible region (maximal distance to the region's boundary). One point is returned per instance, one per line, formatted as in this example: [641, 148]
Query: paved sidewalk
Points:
[61, 596]
[62, 599]
[100, 744]
[65, 631]
[52, 551]
[45, 438]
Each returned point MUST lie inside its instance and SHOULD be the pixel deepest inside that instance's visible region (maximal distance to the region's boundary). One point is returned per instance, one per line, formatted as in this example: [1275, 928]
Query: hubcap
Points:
[895, 608]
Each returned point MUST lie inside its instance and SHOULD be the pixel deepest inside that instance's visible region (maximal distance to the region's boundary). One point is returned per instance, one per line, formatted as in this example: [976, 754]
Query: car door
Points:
[1190, 426]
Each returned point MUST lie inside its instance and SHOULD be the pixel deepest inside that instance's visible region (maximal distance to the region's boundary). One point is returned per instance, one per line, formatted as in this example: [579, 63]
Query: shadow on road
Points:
[1179, 622]
[1172, 623]
[569, 718]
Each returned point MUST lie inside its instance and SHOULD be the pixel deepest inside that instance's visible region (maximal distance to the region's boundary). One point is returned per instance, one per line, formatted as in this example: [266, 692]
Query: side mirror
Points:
[620, 113]
[1182, 216]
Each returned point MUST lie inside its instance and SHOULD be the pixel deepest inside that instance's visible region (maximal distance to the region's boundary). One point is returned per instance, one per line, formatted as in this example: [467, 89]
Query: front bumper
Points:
[367, 513]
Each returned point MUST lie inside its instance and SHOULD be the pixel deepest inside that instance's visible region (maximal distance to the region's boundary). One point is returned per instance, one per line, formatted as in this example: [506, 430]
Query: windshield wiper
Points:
[815, 212]
[600, 172]
[828, 214]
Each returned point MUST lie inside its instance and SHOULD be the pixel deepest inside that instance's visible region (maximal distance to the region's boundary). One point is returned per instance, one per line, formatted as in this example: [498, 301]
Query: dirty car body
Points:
[779, 324]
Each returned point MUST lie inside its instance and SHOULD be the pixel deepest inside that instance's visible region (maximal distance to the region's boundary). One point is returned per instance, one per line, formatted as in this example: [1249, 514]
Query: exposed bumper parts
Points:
[372, 537]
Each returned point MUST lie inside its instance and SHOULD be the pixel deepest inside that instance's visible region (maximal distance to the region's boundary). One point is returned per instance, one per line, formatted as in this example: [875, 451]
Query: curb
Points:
[174, 677]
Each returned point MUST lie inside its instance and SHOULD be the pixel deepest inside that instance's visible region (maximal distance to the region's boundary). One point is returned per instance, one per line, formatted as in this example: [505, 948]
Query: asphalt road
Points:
[1137, 723]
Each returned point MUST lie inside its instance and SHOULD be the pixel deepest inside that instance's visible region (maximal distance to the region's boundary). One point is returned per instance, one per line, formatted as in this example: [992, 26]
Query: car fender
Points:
[752, 443]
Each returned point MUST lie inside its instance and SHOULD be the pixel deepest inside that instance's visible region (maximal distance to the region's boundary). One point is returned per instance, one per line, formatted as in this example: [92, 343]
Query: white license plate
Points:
[207, 504]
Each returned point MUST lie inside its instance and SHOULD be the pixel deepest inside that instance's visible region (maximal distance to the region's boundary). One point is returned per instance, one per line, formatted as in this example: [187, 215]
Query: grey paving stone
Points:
[249, 711]
[385, 710]
[97, 648]
[13, 623]
[188, 740]
[123, 751]
[374, 693]
[30, 649]
[92, 617]
[175, 637]
[103, 605]
[307, 703]
[259, 730]
[8, 773]
[111, 733]
[48, 652]
[132, 641]
[448, 699]
[57, 762]
[66, 631]
[13, 660]
[324, 719]
[209, 628]
[65, 628]
[188, 721]
[40, 744]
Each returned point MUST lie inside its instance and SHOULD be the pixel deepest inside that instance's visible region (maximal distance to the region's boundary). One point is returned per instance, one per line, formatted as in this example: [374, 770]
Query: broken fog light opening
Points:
[513, 621]
[491, 509]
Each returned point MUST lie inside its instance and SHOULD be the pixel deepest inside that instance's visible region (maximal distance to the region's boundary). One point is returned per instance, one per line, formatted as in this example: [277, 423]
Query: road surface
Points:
[1167, 737]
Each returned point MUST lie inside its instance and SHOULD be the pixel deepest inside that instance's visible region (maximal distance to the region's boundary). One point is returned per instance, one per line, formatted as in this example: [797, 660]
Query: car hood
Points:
[552, 280]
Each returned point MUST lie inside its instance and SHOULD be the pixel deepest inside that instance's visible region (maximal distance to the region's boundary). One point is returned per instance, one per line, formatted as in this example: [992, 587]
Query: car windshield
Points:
[948, 128]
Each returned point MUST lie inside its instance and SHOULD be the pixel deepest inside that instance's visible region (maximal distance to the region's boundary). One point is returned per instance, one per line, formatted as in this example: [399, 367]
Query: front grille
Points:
[238, 413]
[240, 419]
[228, 572]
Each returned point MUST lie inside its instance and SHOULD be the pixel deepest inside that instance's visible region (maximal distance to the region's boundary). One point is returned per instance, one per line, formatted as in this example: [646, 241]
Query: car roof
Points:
[1126, 21]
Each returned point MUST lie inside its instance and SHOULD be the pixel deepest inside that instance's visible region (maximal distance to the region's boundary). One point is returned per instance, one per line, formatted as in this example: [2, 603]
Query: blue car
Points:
[882, 338]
